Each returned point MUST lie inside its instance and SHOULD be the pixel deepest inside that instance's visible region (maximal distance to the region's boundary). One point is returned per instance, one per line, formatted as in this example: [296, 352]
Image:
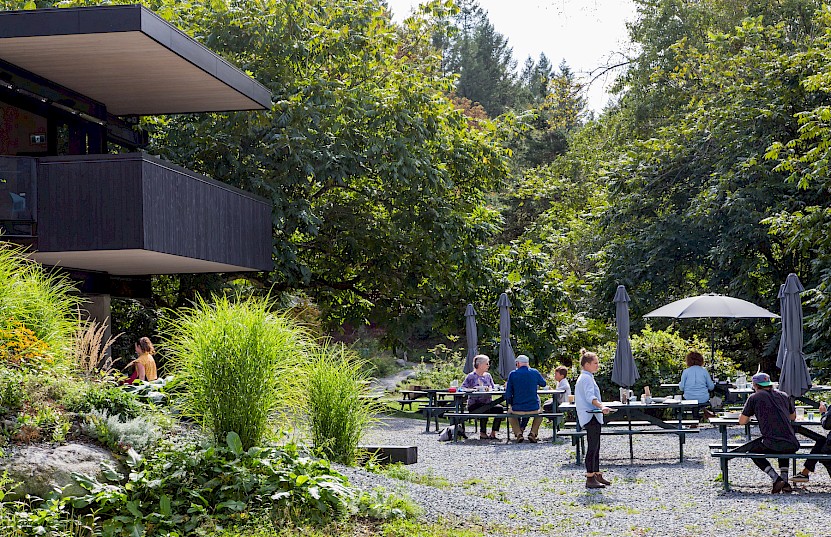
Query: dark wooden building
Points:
[75, 185]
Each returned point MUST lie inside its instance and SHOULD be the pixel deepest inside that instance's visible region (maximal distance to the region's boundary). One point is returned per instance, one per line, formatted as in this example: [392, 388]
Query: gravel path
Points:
[536, 489]
[391, 383]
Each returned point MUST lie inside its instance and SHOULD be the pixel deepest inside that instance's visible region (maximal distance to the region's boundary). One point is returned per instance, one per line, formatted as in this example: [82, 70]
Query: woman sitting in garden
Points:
[144, 367]
[696, 383]
[480, 380]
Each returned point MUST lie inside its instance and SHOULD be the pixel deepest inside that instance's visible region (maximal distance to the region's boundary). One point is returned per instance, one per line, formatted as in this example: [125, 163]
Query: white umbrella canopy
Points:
[712, 305]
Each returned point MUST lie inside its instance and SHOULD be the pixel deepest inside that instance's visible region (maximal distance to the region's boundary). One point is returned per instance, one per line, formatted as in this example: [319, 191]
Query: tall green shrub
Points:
[234, 360]
[336, 401]
[659, 355]
[42, 301]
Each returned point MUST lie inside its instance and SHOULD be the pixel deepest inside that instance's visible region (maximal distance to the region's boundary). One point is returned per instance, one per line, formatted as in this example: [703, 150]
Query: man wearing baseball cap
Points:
[774, 411]
[521, 396]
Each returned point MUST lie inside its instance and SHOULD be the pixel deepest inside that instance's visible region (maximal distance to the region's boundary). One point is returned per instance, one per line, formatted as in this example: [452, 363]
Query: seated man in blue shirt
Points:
[521, 396]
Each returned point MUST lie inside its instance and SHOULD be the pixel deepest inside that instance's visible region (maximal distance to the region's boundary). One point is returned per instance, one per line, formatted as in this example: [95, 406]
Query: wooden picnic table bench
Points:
[637, 420]
[728, 453]
[411, 396]
[460, 417]
[725, 456]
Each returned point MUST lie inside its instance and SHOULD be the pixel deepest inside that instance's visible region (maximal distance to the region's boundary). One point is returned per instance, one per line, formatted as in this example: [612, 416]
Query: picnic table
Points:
[460, 414]
[434, 409]
[634, 415]
[731, 451]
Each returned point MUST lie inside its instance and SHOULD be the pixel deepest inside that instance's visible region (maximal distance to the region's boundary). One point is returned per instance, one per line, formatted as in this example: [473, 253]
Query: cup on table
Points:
[678, 397]
[800, 413]
[570, 398]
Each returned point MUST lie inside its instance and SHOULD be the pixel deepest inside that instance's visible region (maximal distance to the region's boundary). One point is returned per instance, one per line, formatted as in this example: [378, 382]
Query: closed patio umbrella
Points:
[624, 370]
[780, 356]
[472, 337]
[507, 358]
[794, 378]
[712, 305]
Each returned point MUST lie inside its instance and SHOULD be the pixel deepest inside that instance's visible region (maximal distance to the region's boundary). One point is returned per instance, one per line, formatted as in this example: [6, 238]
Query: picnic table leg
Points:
[631, 448]
[681, 441]
[579, 442]
[723, 430]
[431, 399]
[725, 478]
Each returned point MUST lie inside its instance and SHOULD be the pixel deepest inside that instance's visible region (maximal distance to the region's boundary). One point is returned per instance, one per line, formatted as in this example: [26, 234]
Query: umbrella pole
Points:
[713, 348]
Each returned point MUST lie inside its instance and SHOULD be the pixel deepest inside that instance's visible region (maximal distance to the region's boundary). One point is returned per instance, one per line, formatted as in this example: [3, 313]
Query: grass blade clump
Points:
[41, 301]
[230, 357]
[337, 403]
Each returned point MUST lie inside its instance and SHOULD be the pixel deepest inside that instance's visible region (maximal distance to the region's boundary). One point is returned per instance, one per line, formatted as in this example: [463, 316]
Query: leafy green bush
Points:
[233, 360]
[149, 391]
[659, 355]
[11, 391]
[446, 365]
[110, 399]
[121, 434]
[24, 519]
[41, 301]
[335, 401]
[382, 505]
[183, 489]
[379, 362]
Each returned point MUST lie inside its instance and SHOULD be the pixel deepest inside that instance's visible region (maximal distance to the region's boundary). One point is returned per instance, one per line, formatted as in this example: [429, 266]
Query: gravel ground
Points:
[537, 489]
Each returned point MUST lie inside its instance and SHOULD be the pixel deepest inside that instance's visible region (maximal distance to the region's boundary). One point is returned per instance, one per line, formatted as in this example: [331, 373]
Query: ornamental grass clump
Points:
[38, 311]
[336, 401]
[233, 360]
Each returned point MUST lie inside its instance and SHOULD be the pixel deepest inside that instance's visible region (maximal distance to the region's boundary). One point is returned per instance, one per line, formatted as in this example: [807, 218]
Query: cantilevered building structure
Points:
[75, 185]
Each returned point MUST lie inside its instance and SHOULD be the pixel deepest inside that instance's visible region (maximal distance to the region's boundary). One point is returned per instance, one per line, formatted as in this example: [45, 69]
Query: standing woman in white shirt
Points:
[586, 400]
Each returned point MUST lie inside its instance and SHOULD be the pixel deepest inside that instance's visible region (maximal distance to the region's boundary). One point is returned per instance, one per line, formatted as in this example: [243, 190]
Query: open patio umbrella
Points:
[624, 370]
[472, 337]
[712, 305]
[794, 378]
[507, 358]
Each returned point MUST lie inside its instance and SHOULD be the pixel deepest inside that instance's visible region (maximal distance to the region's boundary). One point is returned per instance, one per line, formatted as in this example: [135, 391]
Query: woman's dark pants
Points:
[592, 429]
[483, 422]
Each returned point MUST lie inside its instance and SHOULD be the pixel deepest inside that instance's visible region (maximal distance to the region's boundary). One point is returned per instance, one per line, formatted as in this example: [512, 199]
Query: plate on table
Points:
[732, 415]
[658, 399]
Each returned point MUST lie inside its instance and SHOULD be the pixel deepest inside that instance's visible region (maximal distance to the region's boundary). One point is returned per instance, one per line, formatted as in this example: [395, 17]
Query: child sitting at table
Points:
[480, 380]
[560, 377]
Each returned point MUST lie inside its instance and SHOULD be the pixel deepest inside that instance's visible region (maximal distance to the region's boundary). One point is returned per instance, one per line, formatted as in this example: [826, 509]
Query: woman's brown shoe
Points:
[593, 483]
[601, 479]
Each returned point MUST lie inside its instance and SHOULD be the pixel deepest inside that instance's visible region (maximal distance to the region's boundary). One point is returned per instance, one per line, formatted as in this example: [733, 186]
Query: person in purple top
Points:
[480, 380]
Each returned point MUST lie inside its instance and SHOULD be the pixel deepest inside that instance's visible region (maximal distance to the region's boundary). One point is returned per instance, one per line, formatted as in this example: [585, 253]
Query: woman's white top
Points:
[585, 391]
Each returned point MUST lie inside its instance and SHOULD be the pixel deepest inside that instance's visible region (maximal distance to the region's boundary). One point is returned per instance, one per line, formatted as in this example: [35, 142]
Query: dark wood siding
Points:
[114, 202]
[89, 203]
[189, 215]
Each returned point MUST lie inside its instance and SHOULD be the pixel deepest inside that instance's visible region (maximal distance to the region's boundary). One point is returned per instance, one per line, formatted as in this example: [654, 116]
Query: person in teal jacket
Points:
[521, 396]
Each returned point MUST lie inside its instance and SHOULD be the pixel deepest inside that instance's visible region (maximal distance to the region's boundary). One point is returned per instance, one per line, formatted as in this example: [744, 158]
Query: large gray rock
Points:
[40, 469]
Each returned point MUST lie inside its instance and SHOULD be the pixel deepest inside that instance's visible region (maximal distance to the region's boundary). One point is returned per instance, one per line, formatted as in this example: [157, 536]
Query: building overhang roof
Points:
[133, 262]
[127, 58]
